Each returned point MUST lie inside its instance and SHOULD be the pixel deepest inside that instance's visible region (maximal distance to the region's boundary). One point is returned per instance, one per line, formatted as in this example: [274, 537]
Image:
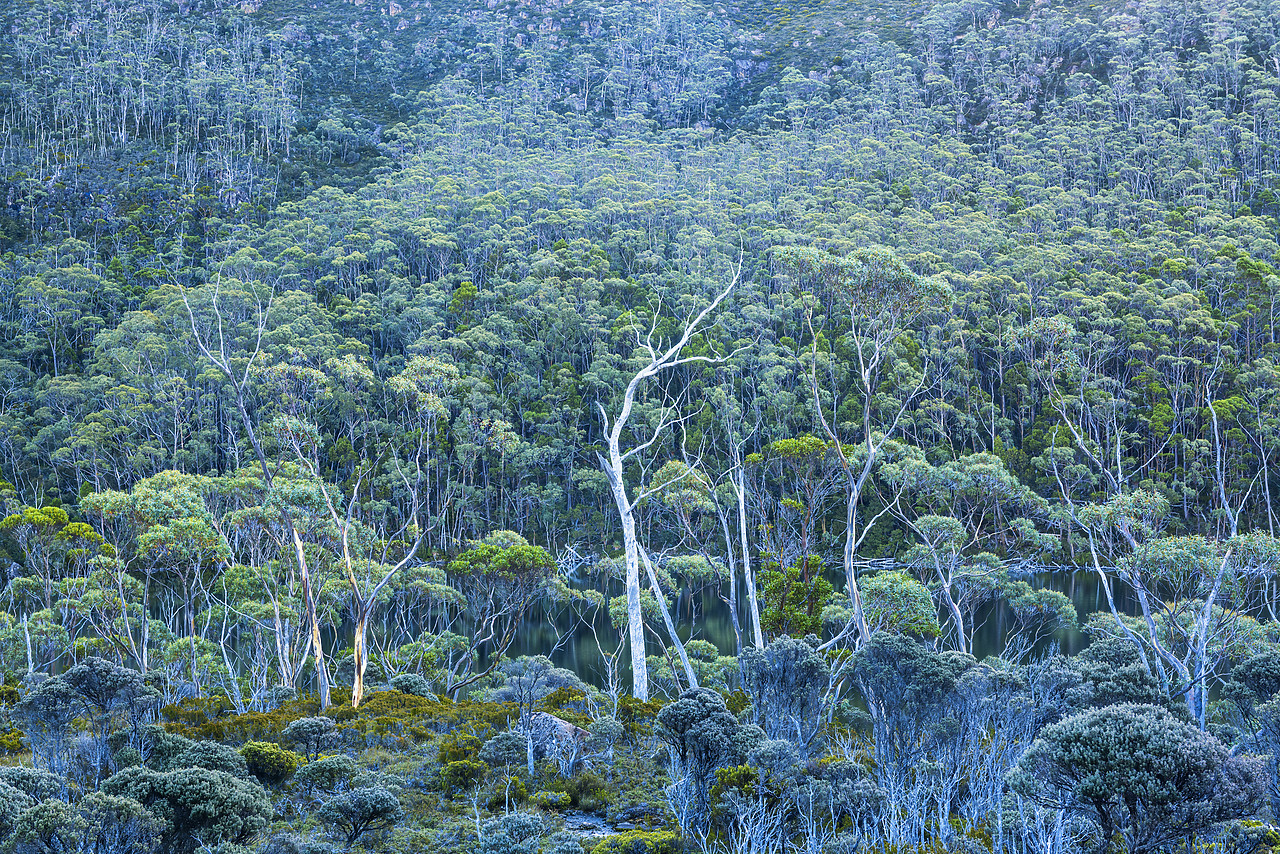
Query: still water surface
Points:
[575, 646]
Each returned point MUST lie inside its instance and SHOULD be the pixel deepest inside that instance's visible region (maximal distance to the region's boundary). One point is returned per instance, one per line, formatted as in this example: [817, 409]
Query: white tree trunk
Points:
[612, 468]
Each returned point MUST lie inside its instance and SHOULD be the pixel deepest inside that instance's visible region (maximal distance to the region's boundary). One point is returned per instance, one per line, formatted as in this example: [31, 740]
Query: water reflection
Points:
[574, 645]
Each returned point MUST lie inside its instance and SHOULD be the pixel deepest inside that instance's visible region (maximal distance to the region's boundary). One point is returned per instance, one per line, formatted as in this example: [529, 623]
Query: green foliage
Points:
[40, 785]
[213, 756]
[270, 763]
[514, 833]
[312, 734]
[638, 716]
[552, 800]
[284, 290]
[793, 598]
[458, 745]
[326, 774]
[1138, 772]
[584, 790]
[359, 812]
[462, 774]
[640, 842]
[787, 683]
[411, 683]
[504, 749]
[198, 806]
[895, 602]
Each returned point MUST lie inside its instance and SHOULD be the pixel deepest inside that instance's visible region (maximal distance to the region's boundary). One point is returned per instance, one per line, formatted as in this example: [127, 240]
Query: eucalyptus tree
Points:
[876, 298]
[369, 557]
[656, 359]
[908, 690]
[526, 681]
[499, 578]
[687, 495]
[228, 331]
[53, 548]
[162, 526]
[972, 519]
[1195, 595]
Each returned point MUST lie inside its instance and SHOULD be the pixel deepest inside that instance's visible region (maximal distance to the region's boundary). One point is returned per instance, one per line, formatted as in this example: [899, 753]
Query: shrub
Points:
[199, 806]
[211, 755]
[640, 842]
[552, 800]
[516, 833]
[359, 811]
[396, 719]
[412, 683]
[586, 789]
[311, 734]
[195, 711]
[325, 774]
[34, 783]
[506, 749]
[11, 741]
[568, 703]
[605, 733]
[48, 826]
[563, 842]
[511, 791]
[457, 746]
[289, 843]
[270, 762]
[464, 773]
[12, 803]
[638, 716]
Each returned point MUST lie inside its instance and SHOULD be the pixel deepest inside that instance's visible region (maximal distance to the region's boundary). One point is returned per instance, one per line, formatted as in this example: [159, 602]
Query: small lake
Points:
[575, 646]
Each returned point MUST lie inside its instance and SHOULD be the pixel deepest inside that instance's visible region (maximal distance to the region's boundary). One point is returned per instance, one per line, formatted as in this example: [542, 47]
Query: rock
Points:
[585, 825]
[557, 739]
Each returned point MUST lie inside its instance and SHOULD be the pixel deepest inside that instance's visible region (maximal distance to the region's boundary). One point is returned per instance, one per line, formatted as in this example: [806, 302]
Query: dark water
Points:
[704, 615]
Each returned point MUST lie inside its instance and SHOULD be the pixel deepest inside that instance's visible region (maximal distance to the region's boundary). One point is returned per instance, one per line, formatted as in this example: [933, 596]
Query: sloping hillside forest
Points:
[612, 427]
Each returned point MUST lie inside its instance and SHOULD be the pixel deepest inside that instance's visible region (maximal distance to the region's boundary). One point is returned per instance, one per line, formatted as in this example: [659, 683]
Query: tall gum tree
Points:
[373, 545]
[228, 322]
[876, 298]
[655, 362]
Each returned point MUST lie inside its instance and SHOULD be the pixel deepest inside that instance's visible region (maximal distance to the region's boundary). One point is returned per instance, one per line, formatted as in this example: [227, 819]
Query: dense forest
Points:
[681, 427]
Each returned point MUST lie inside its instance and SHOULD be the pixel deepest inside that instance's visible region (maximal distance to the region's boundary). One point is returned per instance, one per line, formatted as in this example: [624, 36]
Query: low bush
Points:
[411, 683]
[326, 774]
[269, 762]
[456, 776]
[504, 793]
[641, 842]
[552, 800]
[587, 790]
[459, 745]
[638, 716]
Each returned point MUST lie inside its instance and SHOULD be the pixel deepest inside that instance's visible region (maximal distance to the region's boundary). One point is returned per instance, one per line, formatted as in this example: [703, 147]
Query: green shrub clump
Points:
[459, 745]
[462, 774]
[552, 800]
[640, 842]
[269, 762]
[588, 790]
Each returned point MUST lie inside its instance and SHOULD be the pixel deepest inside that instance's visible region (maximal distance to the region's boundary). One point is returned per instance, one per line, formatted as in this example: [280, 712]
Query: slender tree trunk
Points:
[360, 652]
[309, 604]
[670, 624]
[733, 580]
[631, 550]
[614, 471]
[748, 575]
